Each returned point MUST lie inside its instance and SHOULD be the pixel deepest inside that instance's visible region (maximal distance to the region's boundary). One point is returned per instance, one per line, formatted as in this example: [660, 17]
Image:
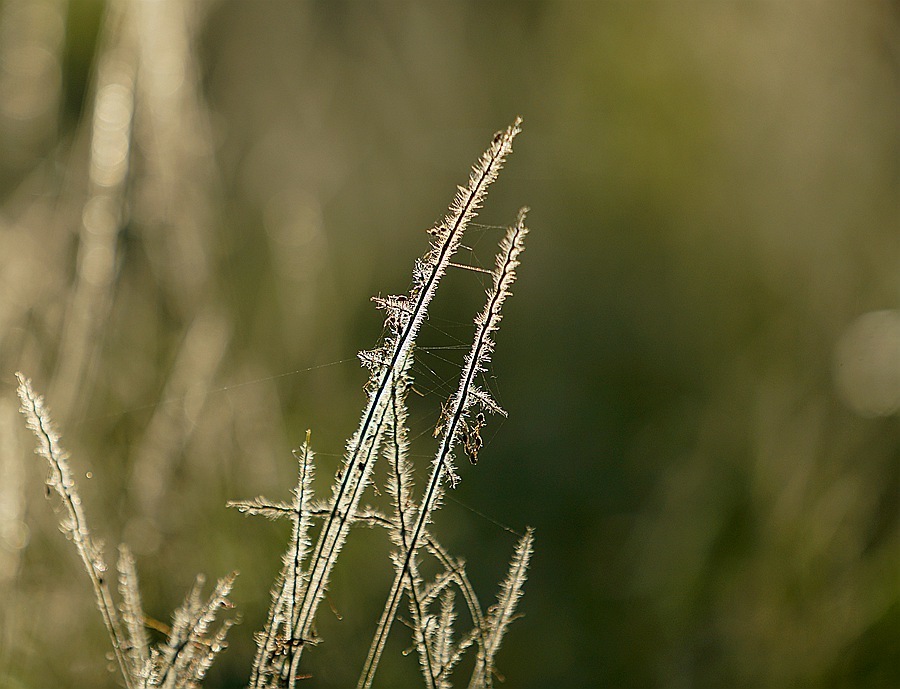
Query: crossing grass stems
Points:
[440, 638]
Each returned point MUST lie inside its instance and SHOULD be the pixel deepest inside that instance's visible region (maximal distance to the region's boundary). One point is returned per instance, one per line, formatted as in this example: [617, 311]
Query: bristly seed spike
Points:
[454, 428]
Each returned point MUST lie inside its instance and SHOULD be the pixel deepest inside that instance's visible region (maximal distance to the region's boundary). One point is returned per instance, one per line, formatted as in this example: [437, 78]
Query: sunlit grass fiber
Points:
[439, 636]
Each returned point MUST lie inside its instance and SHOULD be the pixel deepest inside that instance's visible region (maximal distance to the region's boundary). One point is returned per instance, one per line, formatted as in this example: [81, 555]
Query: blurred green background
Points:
[701, 362]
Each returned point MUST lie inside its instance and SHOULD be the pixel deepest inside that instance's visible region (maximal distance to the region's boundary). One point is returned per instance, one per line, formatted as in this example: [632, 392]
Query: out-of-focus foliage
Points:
[700, 365]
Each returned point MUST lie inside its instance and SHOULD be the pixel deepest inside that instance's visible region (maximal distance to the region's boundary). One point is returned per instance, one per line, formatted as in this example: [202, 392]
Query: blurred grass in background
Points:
[701, 362]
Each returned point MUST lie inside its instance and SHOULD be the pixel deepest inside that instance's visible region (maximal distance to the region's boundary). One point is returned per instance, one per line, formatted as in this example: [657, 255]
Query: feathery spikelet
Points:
[277, 654]
[75, 526]
[452, 425]
[189, 650]
[183, 661]
[133, 612]
[503, 612]
[396, 452]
